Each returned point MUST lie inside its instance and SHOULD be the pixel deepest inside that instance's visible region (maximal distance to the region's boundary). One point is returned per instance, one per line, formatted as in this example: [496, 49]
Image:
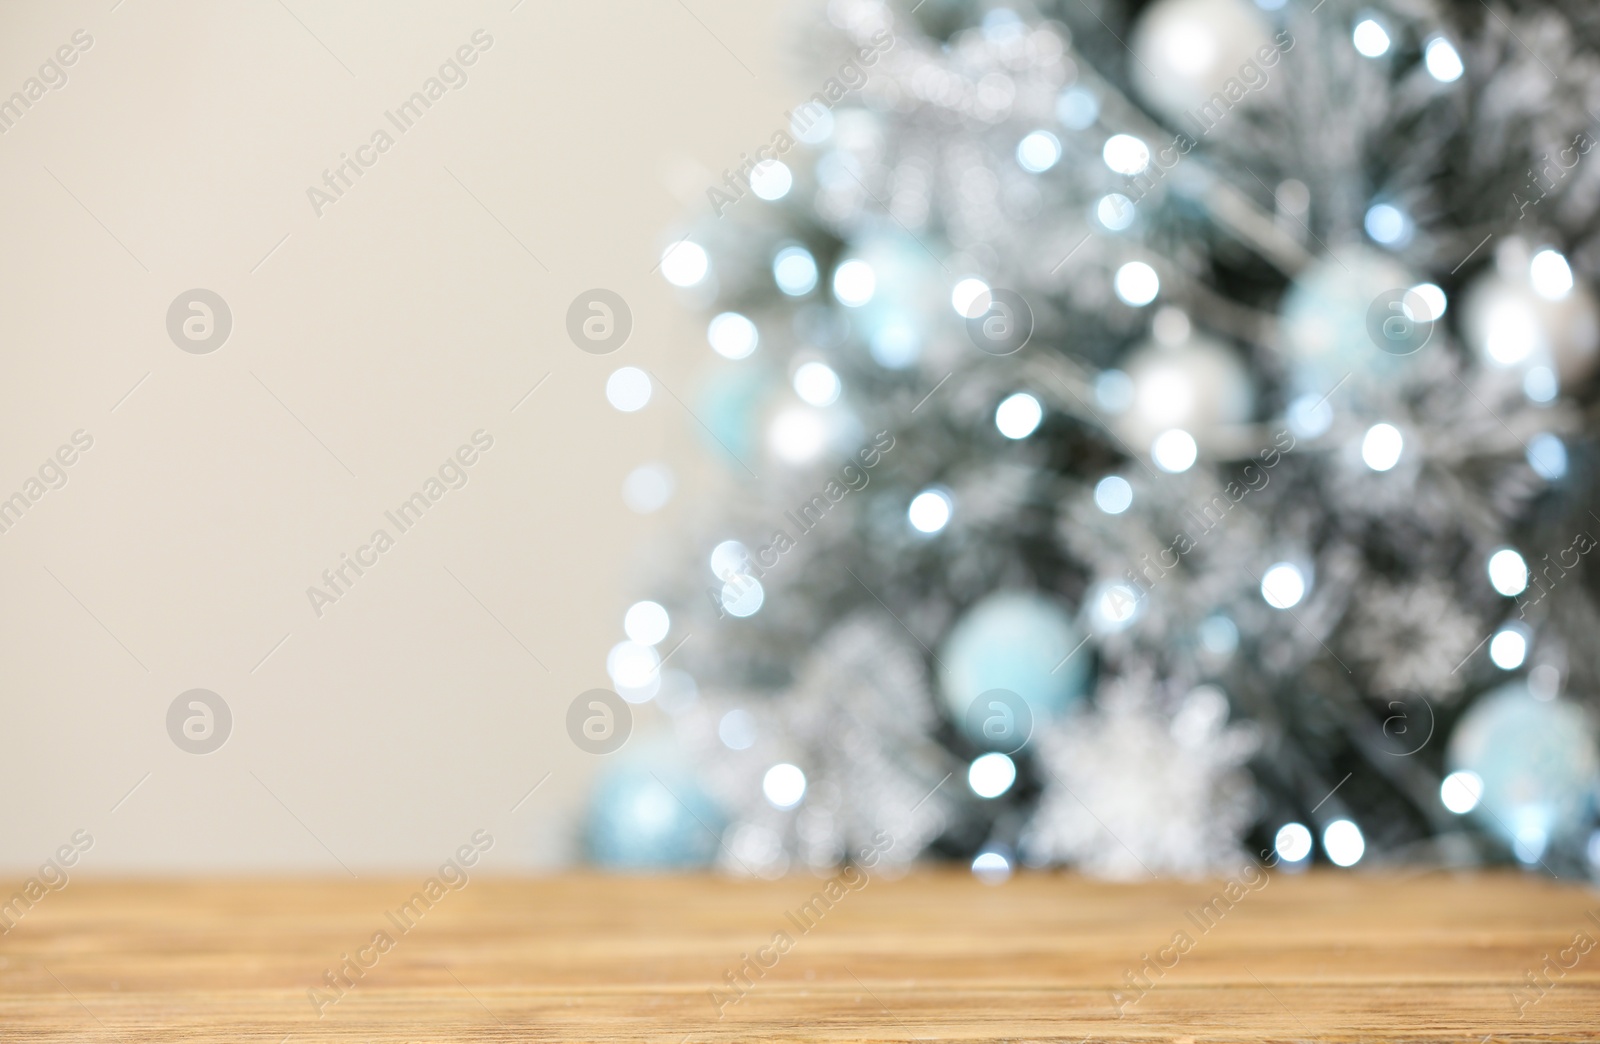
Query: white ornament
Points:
[1198, 386]
[1189, 50]
[1527, 311]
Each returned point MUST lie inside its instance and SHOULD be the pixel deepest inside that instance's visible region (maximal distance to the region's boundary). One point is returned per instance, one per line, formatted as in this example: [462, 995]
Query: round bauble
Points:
[1188, 51]
[1537, 763]
[1518, 314]
[647, 812]
[1199, 385]
[1332, 321]
[1012, 645]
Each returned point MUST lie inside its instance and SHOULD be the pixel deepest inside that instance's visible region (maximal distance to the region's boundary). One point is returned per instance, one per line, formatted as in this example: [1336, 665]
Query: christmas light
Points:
[795, 271]
[628, 389]
[929, 511]
[1428, 305]
[1381, 447]
[991, 775]
[1293, 842]
[1508, 572]
[1442, 60]
[1343, 842]
[1283, 586]
[1115, 211]
[1038, 152]
[1387, 225]
[1137, 284]
[797, 435]
[1539, 384]
[737, 729]
[742, 596]
[1460, 791]
[1370, 38]
[1550, 275]
[967, 295]
[732, 336]
[1547, 456]
[1018, 416]
[1125, 154]
[991, 866]
[729, 558]
[1113, 494]
[1174, 451]
[1508, 648]
[1310, 415]
[685, 263]
[1077, 109]
[646, 623]
[854, 283]
[631, 665]
[784, 785]
[817, 384]
[770, 179]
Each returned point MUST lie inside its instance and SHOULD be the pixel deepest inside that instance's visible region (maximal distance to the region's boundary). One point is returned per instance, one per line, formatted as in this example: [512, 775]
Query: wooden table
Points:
[1323, 956]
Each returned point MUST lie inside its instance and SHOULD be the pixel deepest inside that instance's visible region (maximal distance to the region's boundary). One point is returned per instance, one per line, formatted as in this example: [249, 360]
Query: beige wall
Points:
[404, 318]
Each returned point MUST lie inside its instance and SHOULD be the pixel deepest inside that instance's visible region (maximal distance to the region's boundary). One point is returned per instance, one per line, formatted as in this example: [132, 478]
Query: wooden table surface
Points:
[1321, 956]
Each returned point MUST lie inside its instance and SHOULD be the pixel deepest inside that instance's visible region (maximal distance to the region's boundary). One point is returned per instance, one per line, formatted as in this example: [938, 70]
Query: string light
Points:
[1018, 415]
[732, 335]
[1461, 791]
[816, 383]
[628, 389]
[1293, 842]
[1370, 38]
[646, 623]
[1283, 586]
[685, 263]
[1038, 152]
[1174, 451]
[771, 180]
[1077, 109]
[1126, 154]
[795, 271]
[1115, 211]
[1508, 648]
[784, 785]
[929, 511]
[991, 775]
[1343, 842]
[1113, 494]
[1442, 60]
[967, 295]
[1386, 224]
[1381, 447]
[991, 866]
[1547, 456]
[1137, 284]
[854, 283]
[1550, 275]
[1508, 572]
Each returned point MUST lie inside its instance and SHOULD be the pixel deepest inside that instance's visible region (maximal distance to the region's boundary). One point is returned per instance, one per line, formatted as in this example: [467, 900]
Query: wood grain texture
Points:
[1323, 956]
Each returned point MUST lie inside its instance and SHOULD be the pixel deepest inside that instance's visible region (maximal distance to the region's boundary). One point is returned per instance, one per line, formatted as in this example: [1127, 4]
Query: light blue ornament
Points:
[1334, 322]
[1017, 642]
[1537, 762]
[647, 812]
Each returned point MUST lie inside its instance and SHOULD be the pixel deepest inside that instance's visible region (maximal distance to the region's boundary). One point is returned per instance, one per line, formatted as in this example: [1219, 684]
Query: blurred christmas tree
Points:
[1162, 434]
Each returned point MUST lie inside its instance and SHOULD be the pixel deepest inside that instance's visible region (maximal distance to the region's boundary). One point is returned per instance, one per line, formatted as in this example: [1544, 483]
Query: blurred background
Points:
[1140, 437]
[367, 345]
